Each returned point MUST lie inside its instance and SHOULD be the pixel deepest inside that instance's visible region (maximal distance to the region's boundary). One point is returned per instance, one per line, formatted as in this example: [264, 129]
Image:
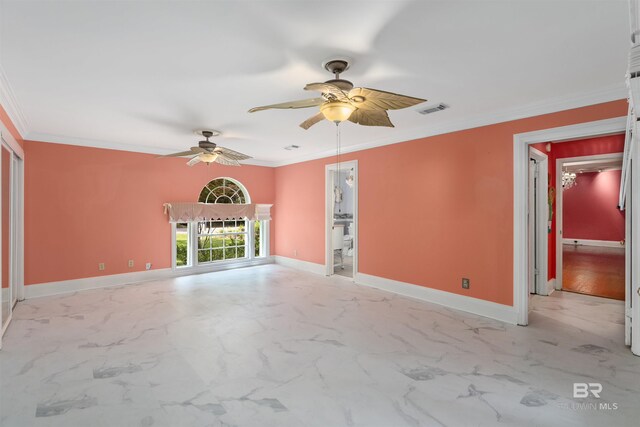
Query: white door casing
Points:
[521, 144]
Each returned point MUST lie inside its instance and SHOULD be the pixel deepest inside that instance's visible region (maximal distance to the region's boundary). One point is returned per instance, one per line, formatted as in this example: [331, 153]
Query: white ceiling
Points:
[142, 75]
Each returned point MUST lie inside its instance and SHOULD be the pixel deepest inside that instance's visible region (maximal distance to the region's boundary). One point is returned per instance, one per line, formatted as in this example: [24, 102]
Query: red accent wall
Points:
[583, 147]
[86, 205]
[432, 210]
[590, 208]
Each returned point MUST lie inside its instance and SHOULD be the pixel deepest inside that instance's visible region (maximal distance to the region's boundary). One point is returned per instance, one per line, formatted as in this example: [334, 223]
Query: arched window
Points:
[211, 241]
[223, 190]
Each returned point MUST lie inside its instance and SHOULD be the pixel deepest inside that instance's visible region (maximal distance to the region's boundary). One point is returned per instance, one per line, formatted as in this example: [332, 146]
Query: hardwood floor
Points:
[593, 270]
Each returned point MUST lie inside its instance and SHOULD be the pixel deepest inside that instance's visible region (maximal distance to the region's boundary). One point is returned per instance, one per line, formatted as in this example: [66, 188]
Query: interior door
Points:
[13, 224]
[532, 225]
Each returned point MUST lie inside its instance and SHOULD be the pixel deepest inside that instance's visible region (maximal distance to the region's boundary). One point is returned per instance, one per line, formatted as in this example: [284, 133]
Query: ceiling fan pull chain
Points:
[338, 167]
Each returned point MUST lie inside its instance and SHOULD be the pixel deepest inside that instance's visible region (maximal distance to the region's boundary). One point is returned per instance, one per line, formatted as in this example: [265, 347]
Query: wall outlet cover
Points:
[466, 283]
[101, 266]
[148, 266]
[130, 263]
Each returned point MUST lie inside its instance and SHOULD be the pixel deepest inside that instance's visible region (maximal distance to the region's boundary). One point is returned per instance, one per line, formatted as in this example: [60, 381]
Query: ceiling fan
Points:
[209, 152]
[341, 101]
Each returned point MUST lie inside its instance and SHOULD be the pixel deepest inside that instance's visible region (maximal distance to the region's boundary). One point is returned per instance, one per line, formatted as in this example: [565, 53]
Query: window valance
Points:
[187, 212]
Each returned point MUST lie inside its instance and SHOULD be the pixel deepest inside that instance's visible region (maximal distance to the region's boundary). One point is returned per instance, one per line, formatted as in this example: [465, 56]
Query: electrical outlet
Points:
[148, 266]
[295, 252]
[130, 263]
[101, 266]
[466, 283]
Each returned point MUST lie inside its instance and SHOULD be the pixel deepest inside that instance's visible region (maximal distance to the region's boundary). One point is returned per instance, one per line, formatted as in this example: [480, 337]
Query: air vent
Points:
[291, 147]
[433, 108]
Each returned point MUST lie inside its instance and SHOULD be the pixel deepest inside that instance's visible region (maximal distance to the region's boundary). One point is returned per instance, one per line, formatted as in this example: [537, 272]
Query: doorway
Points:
[341, 220]
[590, 232]
[630, 310]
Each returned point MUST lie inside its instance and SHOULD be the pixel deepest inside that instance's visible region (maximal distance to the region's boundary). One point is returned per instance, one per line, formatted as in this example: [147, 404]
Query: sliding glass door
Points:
[10, 232]
[5, 228]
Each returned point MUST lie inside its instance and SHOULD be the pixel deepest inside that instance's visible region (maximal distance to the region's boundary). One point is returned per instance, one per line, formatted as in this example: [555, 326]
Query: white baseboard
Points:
[75, 285]
[557, 285]
[587, 242]
[504, 313]
[298, 264]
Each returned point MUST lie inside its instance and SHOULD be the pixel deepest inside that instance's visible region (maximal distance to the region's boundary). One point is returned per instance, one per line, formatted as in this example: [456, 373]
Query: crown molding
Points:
[607, 94]
[599, 96]
[11, 106]
[94, 143]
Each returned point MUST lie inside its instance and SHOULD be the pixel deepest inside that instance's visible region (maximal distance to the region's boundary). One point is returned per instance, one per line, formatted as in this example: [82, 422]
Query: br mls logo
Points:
[585, 390]
[582, 390]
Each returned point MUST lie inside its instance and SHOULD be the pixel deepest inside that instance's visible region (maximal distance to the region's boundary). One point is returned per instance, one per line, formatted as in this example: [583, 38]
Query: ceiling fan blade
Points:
[374, 99]
[193, 161]
[303, 103]
[329, 91]
[230, 153]
[181, 154]
[371, 118]
[227, 161]
[312, 121]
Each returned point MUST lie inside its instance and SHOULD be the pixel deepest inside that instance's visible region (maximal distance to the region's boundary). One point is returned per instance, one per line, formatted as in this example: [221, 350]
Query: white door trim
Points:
[16, 224]
[633, 249]
[328, 219]
[559, 224]
[521, 142]
[542, 216]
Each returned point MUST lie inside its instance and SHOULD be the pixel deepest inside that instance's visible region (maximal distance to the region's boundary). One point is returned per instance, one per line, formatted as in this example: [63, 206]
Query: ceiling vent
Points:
[433, 108]
[291, 147]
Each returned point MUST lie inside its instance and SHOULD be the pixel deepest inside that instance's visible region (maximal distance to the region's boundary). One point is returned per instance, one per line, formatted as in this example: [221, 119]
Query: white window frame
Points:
[249, 259]
[247, 225]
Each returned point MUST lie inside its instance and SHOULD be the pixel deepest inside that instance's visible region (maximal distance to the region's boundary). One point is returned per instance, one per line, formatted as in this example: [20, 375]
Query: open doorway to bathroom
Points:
[342, 219]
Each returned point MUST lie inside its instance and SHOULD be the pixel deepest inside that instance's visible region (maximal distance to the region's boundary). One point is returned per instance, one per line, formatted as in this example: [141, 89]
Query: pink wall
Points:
[84, 206]
[584, 147]
[590, 209]
[432, 210]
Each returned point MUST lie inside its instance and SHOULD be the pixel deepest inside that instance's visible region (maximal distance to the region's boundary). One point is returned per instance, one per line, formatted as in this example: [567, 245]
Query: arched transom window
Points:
[223, 190]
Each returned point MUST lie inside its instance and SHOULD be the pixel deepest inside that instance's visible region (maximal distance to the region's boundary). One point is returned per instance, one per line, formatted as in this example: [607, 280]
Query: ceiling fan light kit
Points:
[337, 111]
[209, 152]
[341, 101]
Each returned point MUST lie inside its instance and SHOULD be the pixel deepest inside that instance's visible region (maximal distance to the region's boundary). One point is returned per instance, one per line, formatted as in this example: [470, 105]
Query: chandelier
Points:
[568, 179]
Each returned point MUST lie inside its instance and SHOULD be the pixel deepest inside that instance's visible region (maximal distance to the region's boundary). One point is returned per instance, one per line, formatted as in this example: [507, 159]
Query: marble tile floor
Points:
[271, 346]
[346, 270]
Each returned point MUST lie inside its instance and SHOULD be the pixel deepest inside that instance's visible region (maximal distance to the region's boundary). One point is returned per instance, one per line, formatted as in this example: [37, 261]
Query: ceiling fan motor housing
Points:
[336, 67]
[345, 85]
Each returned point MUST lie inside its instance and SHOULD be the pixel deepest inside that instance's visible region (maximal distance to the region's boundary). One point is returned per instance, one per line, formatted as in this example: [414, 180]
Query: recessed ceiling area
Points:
[141, 75]
[587, 166]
